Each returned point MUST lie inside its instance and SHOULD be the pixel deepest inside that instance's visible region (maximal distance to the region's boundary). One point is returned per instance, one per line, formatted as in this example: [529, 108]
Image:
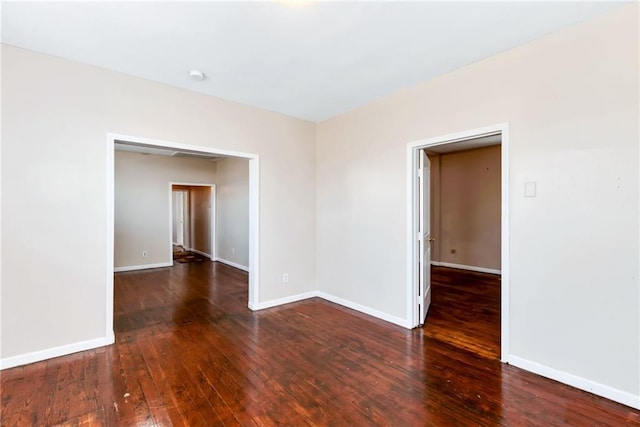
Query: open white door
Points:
[178, 210]
[424, 236]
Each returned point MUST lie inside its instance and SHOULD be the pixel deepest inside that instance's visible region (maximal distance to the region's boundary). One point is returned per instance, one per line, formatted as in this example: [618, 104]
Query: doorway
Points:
[254, 174]
[419, 238]
[193, 219]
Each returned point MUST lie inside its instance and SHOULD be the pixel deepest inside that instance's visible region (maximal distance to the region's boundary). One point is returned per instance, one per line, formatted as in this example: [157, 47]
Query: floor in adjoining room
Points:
[465, 310]
[189, 352]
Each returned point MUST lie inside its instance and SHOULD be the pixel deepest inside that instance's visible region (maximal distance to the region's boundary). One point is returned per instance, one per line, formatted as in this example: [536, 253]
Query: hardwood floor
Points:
[465, 310]
[189, 352]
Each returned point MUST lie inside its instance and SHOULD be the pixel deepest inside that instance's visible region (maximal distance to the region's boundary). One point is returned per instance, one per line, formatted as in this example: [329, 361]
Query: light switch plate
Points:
[529, 189]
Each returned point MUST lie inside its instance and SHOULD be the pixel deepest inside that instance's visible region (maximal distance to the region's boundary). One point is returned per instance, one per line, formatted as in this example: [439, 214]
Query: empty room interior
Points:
[320, 213]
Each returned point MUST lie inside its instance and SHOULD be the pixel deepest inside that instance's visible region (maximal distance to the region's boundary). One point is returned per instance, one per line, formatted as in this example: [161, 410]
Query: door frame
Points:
[254, 213]
[412, 285]
[424, 237]
[214, 205]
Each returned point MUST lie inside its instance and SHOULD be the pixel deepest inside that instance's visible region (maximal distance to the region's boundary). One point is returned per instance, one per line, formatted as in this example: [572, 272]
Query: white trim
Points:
[282, 301]
[411, 248]
[504, 242]
[254, 232]
[233, 264]
[364, 309]
[110, 203]
[336, 300]
[605, 391]
[412, 226]
[466, 267]
[63, 350]
[204, 254]
[179, 146]
[192, 184]
[141, 267]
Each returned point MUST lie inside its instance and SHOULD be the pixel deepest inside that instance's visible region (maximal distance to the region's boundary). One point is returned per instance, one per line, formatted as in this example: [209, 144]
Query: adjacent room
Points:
[465, 209]
[205, 212]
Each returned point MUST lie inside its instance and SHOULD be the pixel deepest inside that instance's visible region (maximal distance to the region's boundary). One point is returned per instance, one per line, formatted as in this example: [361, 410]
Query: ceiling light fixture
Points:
[197, 75]
[295, 3]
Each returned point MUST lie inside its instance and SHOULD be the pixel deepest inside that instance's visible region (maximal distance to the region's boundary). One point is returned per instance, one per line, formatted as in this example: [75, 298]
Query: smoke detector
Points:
[196, 75]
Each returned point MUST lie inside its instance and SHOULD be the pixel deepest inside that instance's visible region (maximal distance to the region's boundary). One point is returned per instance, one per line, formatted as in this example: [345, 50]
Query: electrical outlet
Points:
[233, 251]
[285, 278]
[144, 254]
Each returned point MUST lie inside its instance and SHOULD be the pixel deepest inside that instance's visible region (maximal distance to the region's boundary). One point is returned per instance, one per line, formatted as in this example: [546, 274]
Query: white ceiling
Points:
[311, 60]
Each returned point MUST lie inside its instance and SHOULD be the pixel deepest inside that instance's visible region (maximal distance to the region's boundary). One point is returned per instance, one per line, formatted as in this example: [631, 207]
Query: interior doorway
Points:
[193, 219]
[153, 144]
[419, 237]
[465, 246]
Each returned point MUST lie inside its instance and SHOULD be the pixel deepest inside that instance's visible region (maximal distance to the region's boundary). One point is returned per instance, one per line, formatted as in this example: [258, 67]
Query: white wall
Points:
[232, 240]
[141, 217]
[54, 189]
[571, 100]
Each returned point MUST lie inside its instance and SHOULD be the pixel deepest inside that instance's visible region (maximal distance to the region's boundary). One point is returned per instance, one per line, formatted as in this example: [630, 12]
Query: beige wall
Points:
[200, 219]
[54, 189]
[233, 211]
[141, 217]
[465, 213]
[571, 101]
[434, 205]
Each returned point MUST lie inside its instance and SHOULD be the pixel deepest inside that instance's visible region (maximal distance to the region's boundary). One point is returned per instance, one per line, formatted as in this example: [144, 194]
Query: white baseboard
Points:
[281, 301]
[37, 356]
[334, 299]
[608, 392]
[199, 252]
[233, 264]
[364, 309]
[142, 267]
[466, 267]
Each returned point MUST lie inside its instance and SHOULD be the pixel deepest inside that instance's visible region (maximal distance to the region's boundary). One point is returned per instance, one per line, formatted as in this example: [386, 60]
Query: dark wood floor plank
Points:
[70, 395]
[208, 370]
[90, 419]
[18, 398]
[161, 379]
[159, 409]
[102, 373]
[132, 403]
[44, 406]
[188, 352]
[467, 312]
